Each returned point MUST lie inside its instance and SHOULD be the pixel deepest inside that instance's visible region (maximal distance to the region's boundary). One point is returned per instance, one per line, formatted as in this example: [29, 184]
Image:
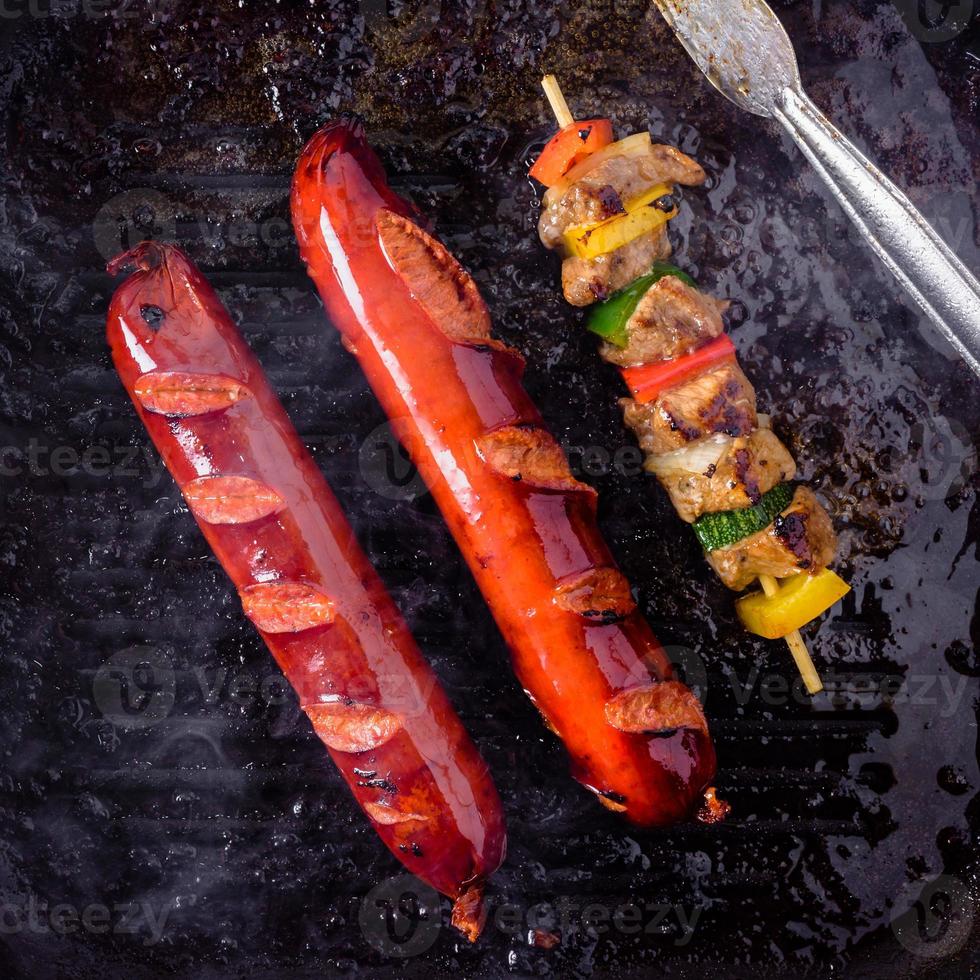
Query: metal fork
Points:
[746, 54]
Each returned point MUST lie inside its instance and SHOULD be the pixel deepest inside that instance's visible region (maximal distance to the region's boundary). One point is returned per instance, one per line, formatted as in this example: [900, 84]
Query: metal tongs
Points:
[746, 54]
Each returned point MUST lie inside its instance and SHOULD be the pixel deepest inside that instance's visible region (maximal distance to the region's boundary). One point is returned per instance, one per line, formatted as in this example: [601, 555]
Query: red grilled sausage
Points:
[421, 332]
[281, 536]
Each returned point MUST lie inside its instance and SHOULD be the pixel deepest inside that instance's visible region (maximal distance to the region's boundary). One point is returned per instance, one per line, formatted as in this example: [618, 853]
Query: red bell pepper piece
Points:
[647, 381]
[570, 144]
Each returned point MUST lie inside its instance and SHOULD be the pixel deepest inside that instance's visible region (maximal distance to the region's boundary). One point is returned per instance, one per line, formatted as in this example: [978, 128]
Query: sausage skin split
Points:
[421, 332]
[303, 580]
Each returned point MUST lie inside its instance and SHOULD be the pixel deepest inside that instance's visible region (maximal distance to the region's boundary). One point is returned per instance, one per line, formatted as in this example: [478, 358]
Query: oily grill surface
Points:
[154, 763]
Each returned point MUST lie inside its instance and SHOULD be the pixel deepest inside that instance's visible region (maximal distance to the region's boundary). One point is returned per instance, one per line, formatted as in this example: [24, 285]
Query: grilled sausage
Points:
[527, 527]
[279, 533]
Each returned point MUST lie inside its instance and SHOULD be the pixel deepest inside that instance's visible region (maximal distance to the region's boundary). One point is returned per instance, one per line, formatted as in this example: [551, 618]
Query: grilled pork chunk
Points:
[801, 538]
[586, 281]
[719, 400]
[604, 191]
[747, 467]
[671, 320]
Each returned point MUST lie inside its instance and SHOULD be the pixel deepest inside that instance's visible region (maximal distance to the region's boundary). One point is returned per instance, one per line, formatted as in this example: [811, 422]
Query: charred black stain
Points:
[153, 316]
[605, 617]
[379, 783]
[791, 530]
[610, 203]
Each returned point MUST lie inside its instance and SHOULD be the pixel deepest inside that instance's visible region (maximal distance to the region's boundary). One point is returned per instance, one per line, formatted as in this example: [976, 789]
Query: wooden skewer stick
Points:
[796, 645]
[557, 101]
[769, 585]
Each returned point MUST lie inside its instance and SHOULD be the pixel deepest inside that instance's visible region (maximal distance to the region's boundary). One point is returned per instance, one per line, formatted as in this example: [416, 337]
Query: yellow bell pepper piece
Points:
[798, 600]
[642, 215]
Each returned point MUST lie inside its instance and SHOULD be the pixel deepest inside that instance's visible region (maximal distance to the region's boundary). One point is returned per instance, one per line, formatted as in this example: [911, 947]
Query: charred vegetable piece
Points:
[609, 319]
[649, 380]
[723, 528]
[643, 214]
[570, 145]
[799, 600]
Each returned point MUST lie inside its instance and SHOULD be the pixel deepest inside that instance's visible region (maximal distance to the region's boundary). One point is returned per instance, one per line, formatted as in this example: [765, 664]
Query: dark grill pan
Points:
[166, 810]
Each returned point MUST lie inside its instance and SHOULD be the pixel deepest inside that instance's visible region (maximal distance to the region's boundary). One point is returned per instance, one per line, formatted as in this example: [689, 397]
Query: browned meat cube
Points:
[719, 400]
[801, 538]
[671, 320]
[604, 191]
[586, 281]
[748, 467]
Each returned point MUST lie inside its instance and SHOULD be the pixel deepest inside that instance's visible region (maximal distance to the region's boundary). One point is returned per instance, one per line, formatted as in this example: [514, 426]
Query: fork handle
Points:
[899, 234]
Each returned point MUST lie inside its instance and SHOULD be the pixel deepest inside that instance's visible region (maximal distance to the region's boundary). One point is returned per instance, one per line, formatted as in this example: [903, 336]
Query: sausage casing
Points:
[280, 534]
[527, 528]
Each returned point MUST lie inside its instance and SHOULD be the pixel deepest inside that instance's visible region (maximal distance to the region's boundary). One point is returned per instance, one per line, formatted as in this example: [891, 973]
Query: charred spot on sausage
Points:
[655, 709]
[287, 607]
[354, 727]
[379, 783]
[181, 393]
[230, 499]
[387, 815]
[152, 315]
[438, 283]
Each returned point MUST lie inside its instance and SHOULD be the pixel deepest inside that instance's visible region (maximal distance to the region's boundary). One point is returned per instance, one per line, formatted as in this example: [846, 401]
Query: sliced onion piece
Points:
[698, 458]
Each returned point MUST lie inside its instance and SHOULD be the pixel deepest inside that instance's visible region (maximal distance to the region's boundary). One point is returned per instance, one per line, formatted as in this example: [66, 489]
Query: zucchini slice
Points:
[724, 528]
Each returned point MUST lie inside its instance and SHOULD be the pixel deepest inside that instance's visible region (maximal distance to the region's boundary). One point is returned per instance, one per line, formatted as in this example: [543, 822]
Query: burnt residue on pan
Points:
[160, 784]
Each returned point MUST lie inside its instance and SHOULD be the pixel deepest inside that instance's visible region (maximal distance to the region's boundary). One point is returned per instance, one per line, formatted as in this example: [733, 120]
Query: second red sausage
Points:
[421, 332]
[281, 536]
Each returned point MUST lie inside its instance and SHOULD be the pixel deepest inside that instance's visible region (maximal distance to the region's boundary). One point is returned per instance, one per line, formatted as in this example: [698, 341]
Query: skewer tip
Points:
[557, 101]
[804, 662]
